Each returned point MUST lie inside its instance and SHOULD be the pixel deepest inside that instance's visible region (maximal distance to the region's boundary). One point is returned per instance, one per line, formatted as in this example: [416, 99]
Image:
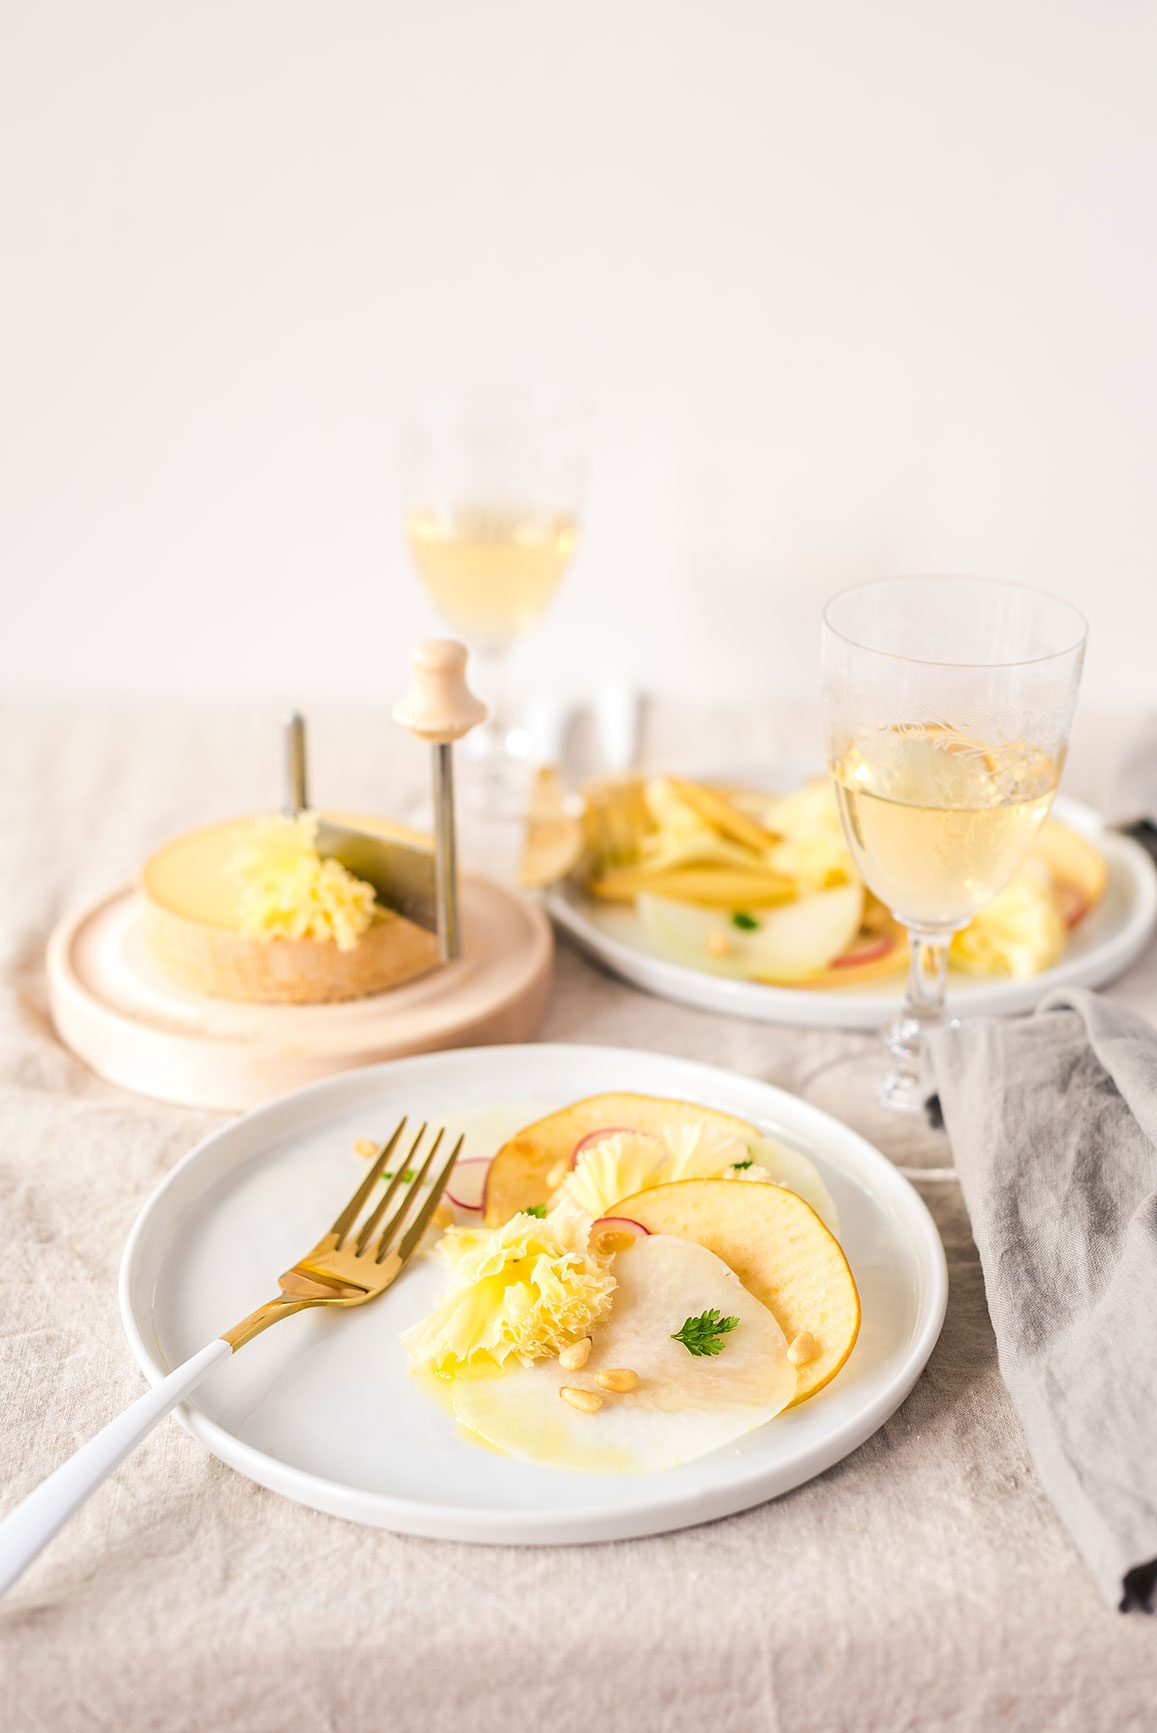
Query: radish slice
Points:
[1072, 903]
[617, 1225]
[606, 1131]
[866, 953]
[467, 1184]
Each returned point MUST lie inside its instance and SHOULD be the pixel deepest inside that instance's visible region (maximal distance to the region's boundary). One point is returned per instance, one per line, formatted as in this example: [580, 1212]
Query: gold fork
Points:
[348, 1266]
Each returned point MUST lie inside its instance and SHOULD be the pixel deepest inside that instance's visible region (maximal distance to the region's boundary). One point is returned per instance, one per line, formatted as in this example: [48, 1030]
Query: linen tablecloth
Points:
[924, 1583]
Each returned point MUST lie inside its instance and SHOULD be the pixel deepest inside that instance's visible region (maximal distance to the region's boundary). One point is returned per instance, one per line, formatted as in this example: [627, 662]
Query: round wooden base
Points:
[116, 1013]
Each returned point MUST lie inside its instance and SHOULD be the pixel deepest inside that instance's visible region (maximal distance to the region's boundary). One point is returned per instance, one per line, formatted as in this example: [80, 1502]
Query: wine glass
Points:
[492, 482]
[948, 704]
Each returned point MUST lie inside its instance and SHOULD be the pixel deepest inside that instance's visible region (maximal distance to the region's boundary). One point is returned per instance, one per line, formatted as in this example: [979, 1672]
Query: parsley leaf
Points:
[738, 1166]
[535, 1209]
[702, 1335]
[745, 922]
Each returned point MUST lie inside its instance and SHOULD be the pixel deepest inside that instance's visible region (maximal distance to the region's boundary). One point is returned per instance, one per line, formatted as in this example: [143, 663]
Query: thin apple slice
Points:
[713, 806]
[786, 944]
[781, 1252]
[521, 1172]
[709, 886]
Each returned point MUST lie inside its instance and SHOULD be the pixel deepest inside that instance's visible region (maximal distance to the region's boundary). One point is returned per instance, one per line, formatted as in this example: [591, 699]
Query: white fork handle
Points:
[30, 1527]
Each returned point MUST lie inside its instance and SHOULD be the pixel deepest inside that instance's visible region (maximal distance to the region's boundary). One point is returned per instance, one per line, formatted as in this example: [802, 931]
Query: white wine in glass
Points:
[491, 573]
[949, 703]
[492, 486]
[938, 824]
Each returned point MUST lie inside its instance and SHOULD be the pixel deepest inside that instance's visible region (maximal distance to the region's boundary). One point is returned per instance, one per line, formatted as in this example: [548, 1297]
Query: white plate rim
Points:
[827, 1009]
[559, 1525]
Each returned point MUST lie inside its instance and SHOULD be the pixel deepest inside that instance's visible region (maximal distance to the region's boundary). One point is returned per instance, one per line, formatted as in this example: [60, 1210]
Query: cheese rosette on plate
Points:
[524, 1290]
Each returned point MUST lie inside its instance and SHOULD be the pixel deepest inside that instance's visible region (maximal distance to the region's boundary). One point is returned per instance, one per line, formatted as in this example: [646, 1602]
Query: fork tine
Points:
[383, 1202]
[418, 1226]
[399, 1215]
[350, 1213]
[394, 1223]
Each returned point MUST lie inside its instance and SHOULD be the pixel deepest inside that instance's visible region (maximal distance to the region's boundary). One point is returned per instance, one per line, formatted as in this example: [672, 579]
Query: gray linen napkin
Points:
[1053, 1125]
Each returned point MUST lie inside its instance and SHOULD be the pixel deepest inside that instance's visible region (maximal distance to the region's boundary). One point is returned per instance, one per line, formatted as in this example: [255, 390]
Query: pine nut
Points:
[617, 1378]
[572, 1359]
[802, 1348]
[613, 1240]
[718, 942]
[586, 1401]
[366, 1148]
[558, 1173]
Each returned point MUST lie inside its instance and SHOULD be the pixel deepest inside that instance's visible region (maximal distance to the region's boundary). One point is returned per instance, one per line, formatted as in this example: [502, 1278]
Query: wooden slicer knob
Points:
[439, 706]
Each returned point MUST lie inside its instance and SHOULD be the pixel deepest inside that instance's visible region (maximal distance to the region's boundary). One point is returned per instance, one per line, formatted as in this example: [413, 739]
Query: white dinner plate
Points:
[322, 1407]
[1102, 947]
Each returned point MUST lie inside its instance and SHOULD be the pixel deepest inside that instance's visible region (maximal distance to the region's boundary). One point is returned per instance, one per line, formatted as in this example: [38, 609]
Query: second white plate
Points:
[1101, 948]
[323, 1409]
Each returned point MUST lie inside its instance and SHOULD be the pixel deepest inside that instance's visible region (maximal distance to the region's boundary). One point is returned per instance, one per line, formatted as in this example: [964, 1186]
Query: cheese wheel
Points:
[191, 921]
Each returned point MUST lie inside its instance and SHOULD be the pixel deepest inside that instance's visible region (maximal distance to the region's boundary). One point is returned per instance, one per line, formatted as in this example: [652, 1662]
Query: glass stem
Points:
[487, 742]
[494, 790]
[923, 1008]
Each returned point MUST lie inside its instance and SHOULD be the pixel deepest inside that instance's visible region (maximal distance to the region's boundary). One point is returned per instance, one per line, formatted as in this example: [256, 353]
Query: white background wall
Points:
[853, 287]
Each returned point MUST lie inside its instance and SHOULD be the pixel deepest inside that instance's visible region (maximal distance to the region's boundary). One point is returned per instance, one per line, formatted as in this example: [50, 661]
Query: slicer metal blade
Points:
[402, 874]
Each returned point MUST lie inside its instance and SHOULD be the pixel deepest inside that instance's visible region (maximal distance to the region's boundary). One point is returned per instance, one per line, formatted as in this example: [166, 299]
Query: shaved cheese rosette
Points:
[699, 1151]
[625, 1162]
[618, 1165]
[526, 1290]
[288, 891]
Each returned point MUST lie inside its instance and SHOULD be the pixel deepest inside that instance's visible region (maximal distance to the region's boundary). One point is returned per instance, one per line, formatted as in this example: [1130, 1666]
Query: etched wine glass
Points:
[948, 704]
[492, 483]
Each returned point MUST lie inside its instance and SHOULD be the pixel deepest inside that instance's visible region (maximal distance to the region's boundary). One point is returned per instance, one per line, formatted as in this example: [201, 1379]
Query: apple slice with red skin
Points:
[520, 1172]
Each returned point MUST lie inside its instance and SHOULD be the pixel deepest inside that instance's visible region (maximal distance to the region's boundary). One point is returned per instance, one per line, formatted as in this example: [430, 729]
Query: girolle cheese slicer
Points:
[407, 878]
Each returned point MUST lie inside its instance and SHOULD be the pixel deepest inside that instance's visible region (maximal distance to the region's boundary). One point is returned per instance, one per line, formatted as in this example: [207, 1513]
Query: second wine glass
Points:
[493, 483]
[949, 702]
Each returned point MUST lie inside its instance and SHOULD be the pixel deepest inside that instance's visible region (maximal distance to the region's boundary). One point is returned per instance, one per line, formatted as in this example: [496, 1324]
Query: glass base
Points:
[903, 1089]
[906, 1088]
[901, 1094]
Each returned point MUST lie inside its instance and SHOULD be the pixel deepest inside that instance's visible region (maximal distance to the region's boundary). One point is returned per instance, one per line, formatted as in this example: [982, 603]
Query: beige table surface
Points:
[924, 1583]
